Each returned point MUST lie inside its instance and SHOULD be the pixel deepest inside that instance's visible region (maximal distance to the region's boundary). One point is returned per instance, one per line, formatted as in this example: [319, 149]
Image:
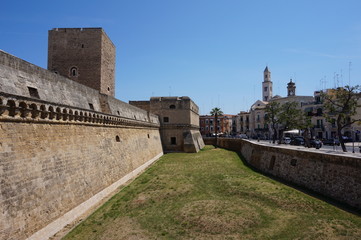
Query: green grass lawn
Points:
[213, 195]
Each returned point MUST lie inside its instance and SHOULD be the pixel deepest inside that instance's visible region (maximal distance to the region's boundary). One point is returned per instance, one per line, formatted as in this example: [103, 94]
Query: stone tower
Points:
[85, 55]
[291, 89]
[266, 85]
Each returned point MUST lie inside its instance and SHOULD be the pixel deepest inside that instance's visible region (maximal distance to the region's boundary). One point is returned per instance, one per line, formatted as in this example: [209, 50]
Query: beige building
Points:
[179, 121]
[252, 123]
[323, 129]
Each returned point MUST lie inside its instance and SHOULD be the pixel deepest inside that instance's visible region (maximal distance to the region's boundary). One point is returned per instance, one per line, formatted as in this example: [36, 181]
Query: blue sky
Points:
[212, 51]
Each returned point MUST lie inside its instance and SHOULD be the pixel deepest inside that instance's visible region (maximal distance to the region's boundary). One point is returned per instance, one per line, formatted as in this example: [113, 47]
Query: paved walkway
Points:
[337, 150]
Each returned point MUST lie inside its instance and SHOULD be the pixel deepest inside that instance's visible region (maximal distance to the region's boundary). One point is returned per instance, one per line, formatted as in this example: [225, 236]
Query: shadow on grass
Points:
[303, 189]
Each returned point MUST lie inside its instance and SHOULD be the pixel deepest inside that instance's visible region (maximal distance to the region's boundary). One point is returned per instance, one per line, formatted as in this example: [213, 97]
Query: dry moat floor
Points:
[213, 195]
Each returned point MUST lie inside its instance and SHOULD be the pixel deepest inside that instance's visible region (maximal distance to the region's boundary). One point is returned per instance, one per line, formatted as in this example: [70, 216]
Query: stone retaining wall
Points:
[334, 176]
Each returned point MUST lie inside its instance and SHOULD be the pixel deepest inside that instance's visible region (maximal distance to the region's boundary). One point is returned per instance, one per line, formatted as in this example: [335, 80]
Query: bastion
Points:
[179, 122]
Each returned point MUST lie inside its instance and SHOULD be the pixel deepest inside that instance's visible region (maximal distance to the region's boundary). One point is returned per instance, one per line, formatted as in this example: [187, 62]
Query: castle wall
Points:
[53, 161]
[63, 148]
[194, 114]
[334, 176]
[167, 133]
[120, 108]
[145, 105]
[17, 75]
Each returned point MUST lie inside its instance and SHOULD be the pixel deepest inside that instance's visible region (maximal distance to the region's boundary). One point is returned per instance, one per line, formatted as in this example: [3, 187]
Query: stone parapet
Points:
[180, 126]
[19, 108]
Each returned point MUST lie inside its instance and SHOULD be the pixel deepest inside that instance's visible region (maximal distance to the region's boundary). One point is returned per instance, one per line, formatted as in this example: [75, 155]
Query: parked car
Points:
[243, 136]
[331, 142]
[298, 141]
[316, 143]
[286, 140]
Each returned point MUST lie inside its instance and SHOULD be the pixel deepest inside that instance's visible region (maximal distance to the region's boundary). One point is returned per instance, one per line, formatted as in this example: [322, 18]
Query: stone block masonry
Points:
[53, 161]
[85, 55]
[179, 122]
[334, 176]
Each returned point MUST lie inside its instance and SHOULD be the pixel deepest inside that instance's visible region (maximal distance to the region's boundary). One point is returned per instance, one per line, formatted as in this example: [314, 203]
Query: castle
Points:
[66, 142]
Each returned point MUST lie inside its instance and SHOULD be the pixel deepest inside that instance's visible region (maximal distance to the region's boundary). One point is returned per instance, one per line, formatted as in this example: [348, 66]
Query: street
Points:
[325, 148]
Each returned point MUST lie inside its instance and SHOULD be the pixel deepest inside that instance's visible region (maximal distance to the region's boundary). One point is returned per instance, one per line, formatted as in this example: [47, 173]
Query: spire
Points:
[266, 85]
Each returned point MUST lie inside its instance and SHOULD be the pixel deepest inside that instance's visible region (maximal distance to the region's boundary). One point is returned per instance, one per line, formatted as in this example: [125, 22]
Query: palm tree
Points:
[216, 112]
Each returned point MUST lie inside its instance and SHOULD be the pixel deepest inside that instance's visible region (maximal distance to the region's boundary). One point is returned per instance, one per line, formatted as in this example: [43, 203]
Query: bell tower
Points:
[266, 85]
[291, 89]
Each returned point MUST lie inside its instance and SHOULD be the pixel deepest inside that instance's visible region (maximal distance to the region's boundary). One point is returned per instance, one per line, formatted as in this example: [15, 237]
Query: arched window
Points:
[74, 71]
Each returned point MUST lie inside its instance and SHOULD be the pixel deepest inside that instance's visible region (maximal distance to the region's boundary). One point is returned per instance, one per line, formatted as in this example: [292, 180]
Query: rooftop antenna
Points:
[337, 80]
[323, 82]
[341, 77]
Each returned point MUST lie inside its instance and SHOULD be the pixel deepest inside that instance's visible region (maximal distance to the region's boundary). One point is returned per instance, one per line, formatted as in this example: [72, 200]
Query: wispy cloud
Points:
[318, 54]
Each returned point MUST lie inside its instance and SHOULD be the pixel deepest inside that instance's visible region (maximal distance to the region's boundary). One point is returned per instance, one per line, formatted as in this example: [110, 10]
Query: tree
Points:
[216, 112]
[304, 124]
[290, 117]
[340, 106]
[286, 117]
[272, 119]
